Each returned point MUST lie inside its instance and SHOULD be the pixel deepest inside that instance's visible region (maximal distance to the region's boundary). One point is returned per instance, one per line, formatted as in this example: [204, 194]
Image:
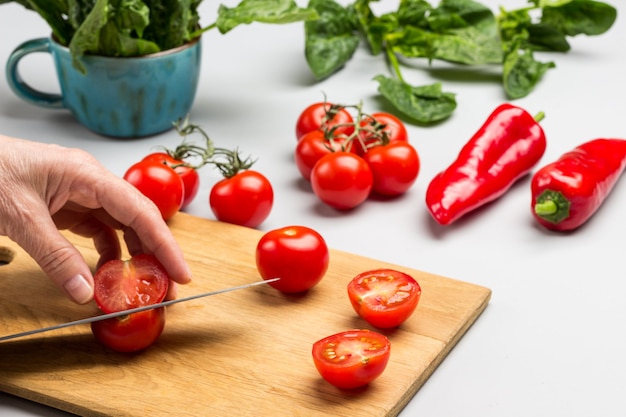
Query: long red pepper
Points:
[505, 148]
[568, 191]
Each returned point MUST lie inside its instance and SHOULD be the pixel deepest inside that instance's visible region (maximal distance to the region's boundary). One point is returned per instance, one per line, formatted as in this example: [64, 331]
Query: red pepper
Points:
[504, 149]
[567, 192]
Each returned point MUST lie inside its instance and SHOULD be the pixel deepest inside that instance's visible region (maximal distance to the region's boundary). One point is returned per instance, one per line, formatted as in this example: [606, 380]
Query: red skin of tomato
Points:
[297, 255]
[313, 118]
[190, 177]
[130, 333]
[159, 183]
[311, 148]
[351, 359]
[393, 126]
[245, 199]
[385, 298]
[342, 180]
[394, 166]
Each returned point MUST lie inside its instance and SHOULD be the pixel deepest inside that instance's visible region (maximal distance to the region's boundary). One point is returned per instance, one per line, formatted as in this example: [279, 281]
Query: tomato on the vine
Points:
[351, 359]
[325, 116]
[394, 166]
[159, 183]
[342, 180]
[245, 198]
[385, 298]
[298, 255]
[312, 147]
[124, 284]
[188, 174]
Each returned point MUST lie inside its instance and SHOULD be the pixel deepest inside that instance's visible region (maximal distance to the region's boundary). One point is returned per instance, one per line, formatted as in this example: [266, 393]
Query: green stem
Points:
[552, 206]
[395, 65]
[539, 116]
[546, 208]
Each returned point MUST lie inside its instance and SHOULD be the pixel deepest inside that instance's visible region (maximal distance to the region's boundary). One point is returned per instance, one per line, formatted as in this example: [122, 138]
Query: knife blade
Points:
[132, 310]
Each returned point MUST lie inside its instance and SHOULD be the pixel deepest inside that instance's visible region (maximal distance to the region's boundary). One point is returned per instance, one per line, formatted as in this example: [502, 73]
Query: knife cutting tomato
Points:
[125, 284]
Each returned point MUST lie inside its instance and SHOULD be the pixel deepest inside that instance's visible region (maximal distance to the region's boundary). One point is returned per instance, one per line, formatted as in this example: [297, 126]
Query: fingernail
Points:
[79, 289]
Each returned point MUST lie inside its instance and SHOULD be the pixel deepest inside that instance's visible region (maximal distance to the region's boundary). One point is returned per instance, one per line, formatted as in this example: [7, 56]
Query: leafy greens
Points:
[463, 32]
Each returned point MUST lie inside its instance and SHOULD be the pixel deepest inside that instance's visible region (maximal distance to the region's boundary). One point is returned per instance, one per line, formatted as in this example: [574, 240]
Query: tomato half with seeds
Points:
[385, 298]
[188, 174]
[323, 116]
[351, 359]
[135, 282]
[298, 255]
[130, 333]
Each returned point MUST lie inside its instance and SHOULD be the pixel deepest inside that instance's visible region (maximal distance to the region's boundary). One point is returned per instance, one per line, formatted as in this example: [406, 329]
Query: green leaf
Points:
[53, 12]
[264, 11]
[580, 17]
[521, 72]
[425, 104]
[330, 40]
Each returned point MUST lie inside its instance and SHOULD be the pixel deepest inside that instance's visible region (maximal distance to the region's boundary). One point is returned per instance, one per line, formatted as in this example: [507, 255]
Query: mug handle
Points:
[19, 86]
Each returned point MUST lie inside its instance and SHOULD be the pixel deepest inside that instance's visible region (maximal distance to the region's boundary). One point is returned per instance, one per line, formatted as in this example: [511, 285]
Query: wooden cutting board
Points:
[245, 353]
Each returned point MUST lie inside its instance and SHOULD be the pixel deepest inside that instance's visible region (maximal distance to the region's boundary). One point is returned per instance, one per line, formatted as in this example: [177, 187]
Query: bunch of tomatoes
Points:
[384, 298]
[347, 158]
[169, 178]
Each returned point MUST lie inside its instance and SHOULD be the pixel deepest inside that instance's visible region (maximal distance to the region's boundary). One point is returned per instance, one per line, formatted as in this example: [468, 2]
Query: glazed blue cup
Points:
[122, 97]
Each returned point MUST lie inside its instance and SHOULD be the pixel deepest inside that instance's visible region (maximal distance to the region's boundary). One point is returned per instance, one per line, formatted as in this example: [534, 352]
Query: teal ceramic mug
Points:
[122, 97]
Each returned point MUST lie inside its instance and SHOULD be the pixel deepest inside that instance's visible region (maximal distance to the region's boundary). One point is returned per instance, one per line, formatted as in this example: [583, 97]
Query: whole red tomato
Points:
[384, 298]
[372, 127]
[351, 359]
[189, 175]
[130, 333]
[297, 255]
[121, 285]
[159, 183]
[245, 198]
[342, 180]
[394, 166]
[312, 147]
[322, 116]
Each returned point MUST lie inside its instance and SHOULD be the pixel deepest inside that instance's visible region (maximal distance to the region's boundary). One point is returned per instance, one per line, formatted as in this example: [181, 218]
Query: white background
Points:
[551, 340]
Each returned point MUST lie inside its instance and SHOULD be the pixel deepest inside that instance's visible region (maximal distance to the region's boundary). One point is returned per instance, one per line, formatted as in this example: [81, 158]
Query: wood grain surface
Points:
[245, 353]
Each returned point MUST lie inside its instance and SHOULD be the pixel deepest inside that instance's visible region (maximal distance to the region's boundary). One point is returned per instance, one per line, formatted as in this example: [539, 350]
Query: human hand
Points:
[46, 188]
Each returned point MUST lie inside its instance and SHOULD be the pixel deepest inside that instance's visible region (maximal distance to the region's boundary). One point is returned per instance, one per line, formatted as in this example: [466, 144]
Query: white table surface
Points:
[551, 341]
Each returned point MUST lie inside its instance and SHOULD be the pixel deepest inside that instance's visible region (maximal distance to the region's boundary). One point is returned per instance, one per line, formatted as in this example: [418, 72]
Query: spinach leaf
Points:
[53, 12]
[577, 17]
[172, 22]
[521, 72]
[425, 104]
[330, 40]
[265, 11]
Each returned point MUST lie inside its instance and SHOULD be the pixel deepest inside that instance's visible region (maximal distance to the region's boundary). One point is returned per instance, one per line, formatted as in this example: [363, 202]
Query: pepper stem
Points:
[552, 206]
[539, 116]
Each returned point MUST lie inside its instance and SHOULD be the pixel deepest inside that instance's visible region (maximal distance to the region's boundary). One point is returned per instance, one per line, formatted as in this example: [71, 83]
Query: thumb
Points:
[59, 259]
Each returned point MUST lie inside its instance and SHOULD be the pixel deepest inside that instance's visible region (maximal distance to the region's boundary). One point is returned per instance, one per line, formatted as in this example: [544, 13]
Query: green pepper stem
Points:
[539, 116]
[546, 208]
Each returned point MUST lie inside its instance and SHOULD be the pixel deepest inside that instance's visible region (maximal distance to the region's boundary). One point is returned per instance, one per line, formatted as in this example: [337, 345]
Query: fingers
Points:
[57, 257]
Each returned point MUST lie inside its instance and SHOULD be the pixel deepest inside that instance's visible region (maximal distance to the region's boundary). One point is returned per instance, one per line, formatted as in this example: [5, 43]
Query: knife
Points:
[132, 310]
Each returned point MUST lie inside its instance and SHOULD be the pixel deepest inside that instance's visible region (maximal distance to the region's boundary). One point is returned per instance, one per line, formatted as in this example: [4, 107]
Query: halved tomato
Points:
[136, 282]
[132, 332]
[384, 298]
[351, 359]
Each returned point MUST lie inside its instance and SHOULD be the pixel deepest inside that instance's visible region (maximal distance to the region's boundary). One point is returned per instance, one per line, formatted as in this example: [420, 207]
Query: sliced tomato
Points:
[136, 282]
[384, 298]
[351, 359]
[130, 333]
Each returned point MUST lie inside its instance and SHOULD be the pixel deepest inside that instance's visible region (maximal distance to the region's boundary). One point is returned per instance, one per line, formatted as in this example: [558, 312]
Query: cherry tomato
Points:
[136, 282]
[320, 116]
[342, 180]
[312, 147]
[394, 166]
[245, 199]
[351, 359]
[384, 298]
[130, 333]
[159, 183]
[297, 255]
[189, 175]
